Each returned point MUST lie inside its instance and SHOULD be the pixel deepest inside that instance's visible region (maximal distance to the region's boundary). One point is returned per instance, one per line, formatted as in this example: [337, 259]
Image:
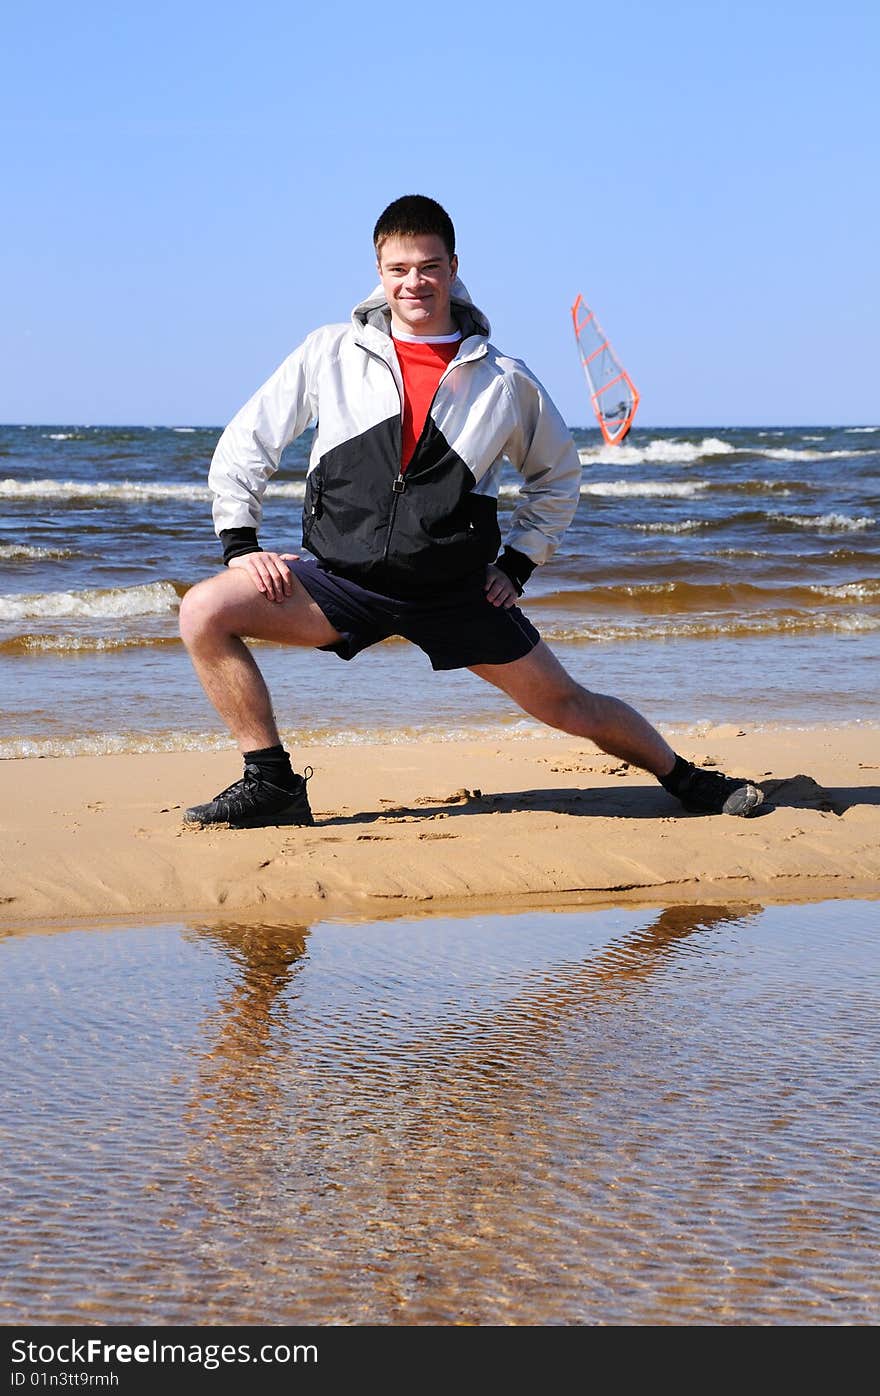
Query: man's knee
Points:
[201, 610]
[566, 702]
[556, 700]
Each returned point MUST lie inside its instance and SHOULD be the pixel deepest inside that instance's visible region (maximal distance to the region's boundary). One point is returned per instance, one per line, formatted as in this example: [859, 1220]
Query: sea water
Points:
[711, 574]
[596, 1116]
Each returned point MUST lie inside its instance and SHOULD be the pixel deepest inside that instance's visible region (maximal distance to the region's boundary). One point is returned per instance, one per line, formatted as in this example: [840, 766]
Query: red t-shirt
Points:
[421, 364]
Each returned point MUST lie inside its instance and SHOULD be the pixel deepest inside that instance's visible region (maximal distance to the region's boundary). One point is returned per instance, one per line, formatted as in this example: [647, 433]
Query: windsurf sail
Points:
[612, 392]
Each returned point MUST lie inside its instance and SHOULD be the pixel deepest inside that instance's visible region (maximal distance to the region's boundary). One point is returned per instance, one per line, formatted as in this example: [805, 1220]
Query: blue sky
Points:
[190, 188]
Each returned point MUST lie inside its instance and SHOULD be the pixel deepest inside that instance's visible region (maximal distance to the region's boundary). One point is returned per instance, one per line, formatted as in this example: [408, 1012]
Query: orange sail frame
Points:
[613, 394]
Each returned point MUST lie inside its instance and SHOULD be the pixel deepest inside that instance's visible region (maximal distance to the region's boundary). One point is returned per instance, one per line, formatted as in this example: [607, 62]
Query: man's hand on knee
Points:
[268, 572]
[499, 588]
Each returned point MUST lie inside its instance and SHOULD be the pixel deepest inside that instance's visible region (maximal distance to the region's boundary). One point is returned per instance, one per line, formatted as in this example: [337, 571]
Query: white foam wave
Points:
[86, 489]
[685, 453]
[107, 744]
[789, 453]
[154, 598]
[858, 431]
[740, 552]
[123, 489]
[661, 489]
[78, 644]
[187, 431]
[838, 523]
[704, 628]
[23, 552]
[658, 452]
[849, 591]
[632, 488]
[102, 744]
[686, 526]
[63, 436]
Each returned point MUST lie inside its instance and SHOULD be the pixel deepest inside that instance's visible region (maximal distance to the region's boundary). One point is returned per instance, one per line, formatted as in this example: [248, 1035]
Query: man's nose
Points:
[413, 278]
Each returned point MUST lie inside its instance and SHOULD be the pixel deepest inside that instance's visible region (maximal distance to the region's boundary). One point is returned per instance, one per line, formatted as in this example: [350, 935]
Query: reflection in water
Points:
[579, 1117]
[237, 1086]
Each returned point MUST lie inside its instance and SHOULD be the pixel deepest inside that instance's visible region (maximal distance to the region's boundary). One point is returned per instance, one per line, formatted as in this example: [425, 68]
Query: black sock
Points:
[274, 764]
[679, 772]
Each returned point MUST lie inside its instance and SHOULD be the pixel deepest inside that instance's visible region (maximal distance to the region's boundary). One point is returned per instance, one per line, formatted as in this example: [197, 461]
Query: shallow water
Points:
[625, 1116]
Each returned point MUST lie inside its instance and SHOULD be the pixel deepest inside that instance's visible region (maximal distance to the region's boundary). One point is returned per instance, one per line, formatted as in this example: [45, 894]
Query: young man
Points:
[415, 409]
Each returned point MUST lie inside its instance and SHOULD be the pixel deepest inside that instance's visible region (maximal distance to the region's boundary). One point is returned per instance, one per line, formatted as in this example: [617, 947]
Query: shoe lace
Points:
[709, 780]
[246, 783]
[251, 780]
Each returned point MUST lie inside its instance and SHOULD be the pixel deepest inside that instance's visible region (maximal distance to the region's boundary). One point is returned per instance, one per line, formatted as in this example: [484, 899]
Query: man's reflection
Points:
[280, 1066]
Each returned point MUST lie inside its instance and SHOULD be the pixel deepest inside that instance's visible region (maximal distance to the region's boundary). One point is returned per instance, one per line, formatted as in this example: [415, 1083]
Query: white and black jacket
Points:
[436, 525]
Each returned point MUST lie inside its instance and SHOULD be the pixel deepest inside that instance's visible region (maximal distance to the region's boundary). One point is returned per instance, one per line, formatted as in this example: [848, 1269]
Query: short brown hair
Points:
[414, 215]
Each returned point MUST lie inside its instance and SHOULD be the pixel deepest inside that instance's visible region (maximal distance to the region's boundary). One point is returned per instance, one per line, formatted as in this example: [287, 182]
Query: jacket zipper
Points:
[399, 484]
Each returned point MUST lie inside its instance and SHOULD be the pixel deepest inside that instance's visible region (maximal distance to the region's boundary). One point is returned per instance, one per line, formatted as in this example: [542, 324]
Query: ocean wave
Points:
[714, 628]
[848, 591]
[24, 552]
[83, 489]
[517, 728]
[635, 489]
[81, 644]
[740, 552]
[657, 452]
[672, 597]
[687, 453]
[832, 523]
[109, 744]
[772, 520]
[63, 436]
[672, 489]
[859, 431]
[154, 598]
[781, 487]
[133, 490]
[790, 453]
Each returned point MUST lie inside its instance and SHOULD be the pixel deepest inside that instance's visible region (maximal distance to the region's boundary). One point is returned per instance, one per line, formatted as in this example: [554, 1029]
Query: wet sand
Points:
[443, 825]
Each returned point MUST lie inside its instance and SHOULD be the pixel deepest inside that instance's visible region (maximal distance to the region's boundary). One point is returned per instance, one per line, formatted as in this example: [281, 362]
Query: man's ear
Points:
[453, 264]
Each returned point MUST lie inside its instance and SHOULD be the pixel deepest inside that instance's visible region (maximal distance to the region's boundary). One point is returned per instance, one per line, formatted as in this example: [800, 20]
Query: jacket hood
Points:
[470, 319]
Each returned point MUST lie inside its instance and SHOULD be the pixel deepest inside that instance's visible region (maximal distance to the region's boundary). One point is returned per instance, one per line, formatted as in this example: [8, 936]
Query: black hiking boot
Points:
[710, 792]
[255, 803]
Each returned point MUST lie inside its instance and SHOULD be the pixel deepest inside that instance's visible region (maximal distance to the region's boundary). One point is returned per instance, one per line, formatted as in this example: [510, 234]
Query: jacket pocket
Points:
[482, 511]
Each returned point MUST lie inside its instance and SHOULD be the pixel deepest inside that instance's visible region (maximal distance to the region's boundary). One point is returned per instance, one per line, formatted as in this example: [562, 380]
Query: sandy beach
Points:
[443, 826]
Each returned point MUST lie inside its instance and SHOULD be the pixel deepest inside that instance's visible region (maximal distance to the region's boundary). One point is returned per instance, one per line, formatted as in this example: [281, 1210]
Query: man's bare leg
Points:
[543, 688]
[215, 615]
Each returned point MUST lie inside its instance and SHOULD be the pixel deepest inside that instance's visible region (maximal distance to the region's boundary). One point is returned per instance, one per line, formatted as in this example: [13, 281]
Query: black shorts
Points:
[456, 630]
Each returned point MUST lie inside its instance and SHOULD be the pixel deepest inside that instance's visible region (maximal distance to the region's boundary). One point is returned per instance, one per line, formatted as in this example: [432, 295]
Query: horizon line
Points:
[648, 426]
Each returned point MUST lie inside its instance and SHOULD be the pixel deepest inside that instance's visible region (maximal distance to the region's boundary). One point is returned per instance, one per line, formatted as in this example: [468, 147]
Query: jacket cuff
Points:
[238, 541]
[516, 567]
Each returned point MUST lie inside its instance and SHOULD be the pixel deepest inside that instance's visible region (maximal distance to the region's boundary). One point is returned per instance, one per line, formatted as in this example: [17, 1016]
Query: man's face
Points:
[416, 275]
